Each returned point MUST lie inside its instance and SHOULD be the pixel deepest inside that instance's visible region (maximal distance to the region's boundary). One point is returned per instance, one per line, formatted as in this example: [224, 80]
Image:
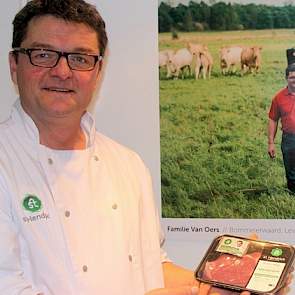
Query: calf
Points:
[206, 63]
[164, 57]
[202, 59]
[251, 59]
[181, 60]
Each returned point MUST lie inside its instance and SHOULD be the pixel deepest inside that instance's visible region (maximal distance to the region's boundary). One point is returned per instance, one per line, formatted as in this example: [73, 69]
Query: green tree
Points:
[222, 16]
[217, 18]
[195, 10]
[281, 18]
[264, 18]
[248, 16]
[164, 19]
[291, 13]
[232, 19]
[188, 24]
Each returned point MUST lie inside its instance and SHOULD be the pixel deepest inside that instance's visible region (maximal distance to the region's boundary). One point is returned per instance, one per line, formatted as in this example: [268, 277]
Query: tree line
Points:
[224, 16]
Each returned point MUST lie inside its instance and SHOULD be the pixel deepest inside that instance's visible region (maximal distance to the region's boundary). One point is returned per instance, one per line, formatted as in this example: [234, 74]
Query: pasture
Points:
[214, 158]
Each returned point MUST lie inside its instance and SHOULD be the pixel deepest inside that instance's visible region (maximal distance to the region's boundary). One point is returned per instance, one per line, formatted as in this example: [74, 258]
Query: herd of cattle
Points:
[197, 59]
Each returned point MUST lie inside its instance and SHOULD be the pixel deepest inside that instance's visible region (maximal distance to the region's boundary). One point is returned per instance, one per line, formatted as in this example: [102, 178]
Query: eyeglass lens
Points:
[76, 61]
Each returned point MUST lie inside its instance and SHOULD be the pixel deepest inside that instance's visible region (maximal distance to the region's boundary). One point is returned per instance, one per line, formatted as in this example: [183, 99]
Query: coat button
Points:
[115, 206]
[67, 213]
[50, 161]
[85, 268]
[130, 258]
[96, 158]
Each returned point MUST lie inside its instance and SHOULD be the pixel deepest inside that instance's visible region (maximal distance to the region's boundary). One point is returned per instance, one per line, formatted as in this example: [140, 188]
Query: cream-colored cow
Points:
[203, 60]
[180, 61]
[164, 57]
[230, 58]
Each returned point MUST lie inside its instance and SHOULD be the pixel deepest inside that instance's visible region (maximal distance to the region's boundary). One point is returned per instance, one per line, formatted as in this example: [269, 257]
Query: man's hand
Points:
[272, 131]
[177, 276]
[204, 289]
[175, 291]
[286, 287]
[271, 150]
[181, 281]
[198, 289]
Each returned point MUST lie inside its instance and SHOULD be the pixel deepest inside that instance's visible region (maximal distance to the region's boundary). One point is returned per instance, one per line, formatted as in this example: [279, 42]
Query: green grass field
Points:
[214, 134]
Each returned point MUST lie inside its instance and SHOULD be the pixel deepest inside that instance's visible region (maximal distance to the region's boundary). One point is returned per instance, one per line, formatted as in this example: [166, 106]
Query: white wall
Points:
[128, 105]
[7, 92]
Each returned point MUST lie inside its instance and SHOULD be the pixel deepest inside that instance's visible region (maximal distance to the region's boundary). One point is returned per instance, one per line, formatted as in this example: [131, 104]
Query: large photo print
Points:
[220, 66]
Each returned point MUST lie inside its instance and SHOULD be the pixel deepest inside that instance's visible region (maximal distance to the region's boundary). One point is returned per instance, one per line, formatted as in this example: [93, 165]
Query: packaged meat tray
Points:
[242, 264]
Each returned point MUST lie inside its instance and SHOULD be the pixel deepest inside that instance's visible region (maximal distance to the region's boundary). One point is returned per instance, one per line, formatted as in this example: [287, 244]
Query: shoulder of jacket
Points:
[105, 142]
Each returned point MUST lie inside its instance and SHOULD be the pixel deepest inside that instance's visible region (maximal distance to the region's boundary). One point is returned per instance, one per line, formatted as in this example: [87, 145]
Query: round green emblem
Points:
[276, 252]
[32, 203]
[227, 241]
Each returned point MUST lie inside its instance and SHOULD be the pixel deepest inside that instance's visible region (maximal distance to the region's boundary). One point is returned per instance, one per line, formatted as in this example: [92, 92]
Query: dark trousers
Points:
[288, 150]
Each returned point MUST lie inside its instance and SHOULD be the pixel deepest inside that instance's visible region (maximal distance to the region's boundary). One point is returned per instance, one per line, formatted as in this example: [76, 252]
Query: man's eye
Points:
[79, 59]
[42, 55]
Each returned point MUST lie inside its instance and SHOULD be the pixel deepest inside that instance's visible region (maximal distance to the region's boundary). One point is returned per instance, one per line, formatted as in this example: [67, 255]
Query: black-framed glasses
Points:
[48, 58]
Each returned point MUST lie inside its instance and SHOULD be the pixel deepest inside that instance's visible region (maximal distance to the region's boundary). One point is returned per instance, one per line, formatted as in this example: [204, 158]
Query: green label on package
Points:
[234, 246]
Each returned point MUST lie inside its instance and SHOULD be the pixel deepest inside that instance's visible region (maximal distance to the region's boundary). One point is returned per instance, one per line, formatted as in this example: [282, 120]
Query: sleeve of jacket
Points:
[12, 281]
[152, 236]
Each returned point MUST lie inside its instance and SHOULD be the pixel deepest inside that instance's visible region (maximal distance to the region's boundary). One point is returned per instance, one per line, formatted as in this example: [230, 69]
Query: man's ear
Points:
[13, 66]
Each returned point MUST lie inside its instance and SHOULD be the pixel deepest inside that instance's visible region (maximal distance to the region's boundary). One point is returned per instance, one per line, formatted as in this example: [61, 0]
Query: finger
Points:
[195, 290]
[289, 279]
[175, 291]
[204, 289]
[253, 236]
[283, 291]
[157, 292]
[245, 293]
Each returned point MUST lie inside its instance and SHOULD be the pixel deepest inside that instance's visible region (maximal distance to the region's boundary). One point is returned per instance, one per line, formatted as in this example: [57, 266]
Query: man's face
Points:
[291, 82]
[48, 93]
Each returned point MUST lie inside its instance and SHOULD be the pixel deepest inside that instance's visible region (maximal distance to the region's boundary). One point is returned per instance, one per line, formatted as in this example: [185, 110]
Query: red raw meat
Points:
[230, 269]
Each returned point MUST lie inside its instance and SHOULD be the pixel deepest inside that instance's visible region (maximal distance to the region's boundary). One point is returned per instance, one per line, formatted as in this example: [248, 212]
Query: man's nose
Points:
[62, 69]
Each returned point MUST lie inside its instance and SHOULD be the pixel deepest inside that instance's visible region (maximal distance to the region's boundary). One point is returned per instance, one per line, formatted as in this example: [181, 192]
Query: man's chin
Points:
[291, 89]
[60, 110]
[59, 114]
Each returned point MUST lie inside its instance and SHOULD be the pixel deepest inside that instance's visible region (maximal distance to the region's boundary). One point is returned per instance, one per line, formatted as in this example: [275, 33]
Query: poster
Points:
[216, 175]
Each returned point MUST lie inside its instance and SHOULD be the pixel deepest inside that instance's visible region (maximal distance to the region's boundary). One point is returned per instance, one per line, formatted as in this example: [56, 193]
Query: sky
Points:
[267, 2]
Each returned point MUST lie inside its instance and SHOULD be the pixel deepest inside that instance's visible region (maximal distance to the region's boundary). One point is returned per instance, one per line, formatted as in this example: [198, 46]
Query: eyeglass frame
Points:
[28, 52]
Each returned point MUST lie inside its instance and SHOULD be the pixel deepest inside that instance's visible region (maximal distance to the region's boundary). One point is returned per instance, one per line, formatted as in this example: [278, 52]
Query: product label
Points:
[266, 276]
[232, 246]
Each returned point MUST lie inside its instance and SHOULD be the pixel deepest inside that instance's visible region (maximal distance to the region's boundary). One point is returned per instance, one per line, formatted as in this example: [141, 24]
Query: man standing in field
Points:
[283, 108]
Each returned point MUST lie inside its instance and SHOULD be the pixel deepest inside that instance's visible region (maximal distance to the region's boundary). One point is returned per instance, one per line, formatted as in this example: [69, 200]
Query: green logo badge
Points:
[32, 203]
[227, 241]
[276, 252]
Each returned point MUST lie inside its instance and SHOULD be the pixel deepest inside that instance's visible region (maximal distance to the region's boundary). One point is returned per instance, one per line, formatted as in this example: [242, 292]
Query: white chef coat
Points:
[96, 229]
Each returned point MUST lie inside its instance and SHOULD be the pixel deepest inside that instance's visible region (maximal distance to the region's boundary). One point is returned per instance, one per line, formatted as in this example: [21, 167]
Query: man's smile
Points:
[57, 89]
